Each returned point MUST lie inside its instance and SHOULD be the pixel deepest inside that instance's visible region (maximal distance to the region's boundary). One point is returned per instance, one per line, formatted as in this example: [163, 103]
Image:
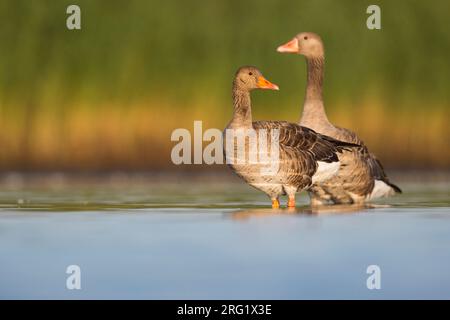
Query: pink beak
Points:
[290, 47]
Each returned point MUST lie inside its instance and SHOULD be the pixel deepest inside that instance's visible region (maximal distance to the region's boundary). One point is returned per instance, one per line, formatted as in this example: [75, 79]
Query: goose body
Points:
[304, 157]
[361, 176]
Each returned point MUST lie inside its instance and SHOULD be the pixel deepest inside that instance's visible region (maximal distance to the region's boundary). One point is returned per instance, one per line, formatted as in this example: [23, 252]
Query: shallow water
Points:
[221, 241]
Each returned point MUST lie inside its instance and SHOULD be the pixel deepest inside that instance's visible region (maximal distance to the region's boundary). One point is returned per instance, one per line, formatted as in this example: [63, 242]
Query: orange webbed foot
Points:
[275, 204]
[291, 202]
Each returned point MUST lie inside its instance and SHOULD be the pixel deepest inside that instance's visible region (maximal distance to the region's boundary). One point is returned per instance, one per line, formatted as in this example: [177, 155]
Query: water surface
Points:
[220, 241]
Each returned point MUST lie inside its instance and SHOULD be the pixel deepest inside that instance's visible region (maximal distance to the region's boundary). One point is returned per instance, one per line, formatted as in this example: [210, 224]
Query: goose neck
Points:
[315, 73]
[313, 108]
[242, 107]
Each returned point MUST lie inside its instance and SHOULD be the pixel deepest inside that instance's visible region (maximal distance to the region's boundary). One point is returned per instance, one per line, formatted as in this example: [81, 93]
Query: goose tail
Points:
[394, 187]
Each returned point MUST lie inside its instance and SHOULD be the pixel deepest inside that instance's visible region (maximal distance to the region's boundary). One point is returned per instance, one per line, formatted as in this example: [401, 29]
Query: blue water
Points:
[228, 247]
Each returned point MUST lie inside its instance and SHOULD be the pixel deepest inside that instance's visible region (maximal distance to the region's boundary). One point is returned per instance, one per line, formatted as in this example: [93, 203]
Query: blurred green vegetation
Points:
[108, 96]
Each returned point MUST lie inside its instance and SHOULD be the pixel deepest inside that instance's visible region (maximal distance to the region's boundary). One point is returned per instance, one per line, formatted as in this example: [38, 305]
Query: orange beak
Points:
[290, 47]
[263, 83]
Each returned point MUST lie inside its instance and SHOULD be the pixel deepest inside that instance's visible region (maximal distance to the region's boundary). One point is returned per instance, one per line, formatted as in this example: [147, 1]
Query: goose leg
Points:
[291, 202]
[290, 191]
[275, 203]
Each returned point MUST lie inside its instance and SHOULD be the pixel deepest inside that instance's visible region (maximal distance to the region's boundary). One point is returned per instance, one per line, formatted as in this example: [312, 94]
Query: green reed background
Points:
[109, 95]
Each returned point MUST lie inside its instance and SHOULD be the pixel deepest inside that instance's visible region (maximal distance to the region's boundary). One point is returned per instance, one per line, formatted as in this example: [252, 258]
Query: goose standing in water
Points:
[303, 157]
[361, 176]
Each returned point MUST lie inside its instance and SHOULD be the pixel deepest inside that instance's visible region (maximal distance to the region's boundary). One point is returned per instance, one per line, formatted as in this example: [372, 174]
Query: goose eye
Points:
[305, 37]
[250, 73]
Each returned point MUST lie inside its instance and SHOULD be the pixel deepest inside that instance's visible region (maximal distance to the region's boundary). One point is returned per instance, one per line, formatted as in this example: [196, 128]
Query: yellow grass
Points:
[136, 136]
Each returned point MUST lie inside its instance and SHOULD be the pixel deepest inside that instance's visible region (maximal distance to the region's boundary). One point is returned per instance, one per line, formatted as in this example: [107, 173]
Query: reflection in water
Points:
[316, 210]
[177, 253]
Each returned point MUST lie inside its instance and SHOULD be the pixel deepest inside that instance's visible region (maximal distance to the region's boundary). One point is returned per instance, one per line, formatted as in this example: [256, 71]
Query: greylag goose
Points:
[361, 176]
[303, 157]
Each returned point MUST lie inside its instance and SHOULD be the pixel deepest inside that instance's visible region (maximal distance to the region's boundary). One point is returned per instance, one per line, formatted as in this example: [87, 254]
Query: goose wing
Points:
[304, 141]
[375, 166]
[301, 152]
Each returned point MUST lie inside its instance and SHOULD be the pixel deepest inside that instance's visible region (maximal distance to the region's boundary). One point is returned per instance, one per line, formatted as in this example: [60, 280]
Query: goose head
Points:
[308, 44]
[248, 78]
